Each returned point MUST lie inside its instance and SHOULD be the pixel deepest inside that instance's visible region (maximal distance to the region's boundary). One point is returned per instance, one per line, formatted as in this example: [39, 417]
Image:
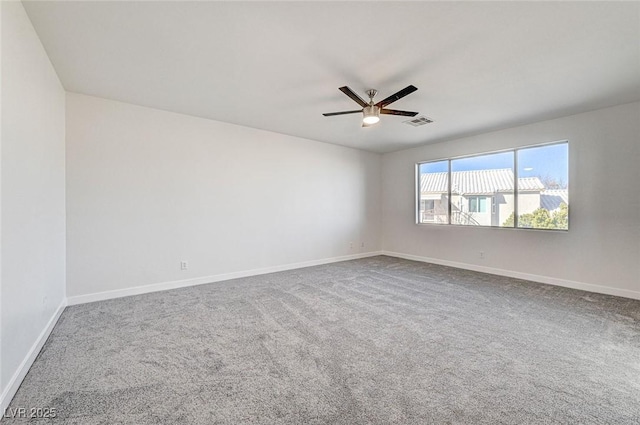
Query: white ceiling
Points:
[277, 66]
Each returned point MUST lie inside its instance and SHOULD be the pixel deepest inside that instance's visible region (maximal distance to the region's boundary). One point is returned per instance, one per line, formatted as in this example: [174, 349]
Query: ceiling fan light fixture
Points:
[371, 114]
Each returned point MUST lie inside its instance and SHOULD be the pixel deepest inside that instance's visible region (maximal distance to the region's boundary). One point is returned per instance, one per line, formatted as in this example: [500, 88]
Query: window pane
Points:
[473, 204]
[543, 187]
[434, 192]
[482, 205]
[480, 181]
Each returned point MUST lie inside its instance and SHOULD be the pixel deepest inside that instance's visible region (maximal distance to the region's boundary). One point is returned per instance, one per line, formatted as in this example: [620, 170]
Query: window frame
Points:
[491, 206]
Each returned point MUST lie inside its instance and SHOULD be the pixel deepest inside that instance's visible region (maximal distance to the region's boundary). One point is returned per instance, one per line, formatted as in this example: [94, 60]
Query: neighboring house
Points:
[483, 197]
[550, 199]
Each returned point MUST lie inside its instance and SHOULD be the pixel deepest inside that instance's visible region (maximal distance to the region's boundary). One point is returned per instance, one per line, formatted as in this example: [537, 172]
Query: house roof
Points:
[551, 199]
[477, 182]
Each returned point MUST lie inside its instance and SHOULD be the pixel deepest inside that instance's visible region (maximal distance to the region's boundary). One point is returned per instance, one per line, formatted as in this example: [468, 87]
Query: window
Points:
[477, 204]
[543, 187]
[434, 192]
[523, 188]
[474, 180]
[428, 204]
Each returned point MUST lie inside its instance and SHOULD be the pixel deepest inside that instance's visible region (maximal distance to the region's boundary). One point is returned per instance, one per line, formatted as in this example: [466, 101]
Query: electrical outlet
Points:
[350, 245]
[362, 245]
[184, 265]
[482, 255]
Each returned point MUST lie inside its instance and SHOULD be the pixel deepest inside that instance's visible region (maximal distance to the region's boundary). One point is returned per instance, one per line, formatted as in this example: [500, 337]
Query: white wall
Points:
[600, 252]
[32, 288]
[147, 189]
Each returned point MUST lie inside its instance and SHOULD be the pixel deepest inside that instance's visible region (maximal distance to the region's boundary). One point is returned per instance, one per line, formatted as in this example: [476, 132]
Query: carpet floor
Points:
[373, 341]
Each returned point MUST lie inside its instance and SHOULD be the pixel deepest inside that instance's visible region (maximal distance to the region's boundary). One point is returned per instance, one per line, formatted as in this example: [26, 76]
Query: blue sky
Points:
[552, 160]
[541, 161]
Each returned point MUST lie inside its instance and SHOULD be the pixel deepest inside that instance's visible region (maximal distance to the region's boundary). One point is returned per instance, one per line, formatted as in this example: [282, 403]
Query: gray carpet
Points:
[373, 341]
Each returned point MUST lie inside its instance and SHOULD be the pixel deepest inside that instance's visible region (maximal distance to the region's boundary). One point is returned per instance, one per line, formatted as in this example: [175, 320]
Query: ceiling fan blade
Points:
[398, 95]
[396, 112]
[346, 90]
[330, 114]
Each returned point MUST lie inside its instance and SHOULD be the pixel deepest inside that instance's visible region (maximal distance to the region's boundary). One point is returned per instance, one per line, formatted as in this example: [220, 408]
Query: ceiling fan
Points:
[371, 111]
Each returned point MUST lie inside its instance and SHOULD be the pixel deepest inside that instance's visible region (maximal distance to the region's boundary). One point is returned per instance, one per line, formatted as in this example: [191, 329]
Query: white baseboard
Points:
[163, 286]
[519, 275]
[18, 376]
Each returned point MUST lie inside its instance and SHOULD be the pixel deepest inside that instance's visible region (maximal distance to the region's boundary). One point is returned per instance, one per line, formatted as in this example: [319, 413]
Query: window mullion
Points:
[515, 188]
[449, 207]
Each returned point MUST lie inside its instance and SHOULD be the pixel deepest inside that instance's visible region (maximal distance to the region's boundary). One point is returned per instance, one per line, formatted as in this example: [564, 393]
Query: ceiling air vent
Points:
[418, 121]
